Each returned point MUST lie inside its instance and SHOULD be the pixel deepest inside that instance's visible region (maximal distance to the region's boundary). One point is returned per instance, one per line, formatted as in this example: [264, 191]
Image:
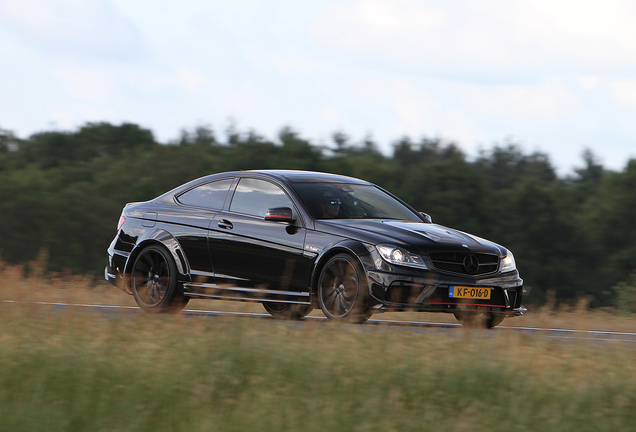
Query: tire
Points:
[342, 290]
[287, 310]
[478, 319]
[153, 281]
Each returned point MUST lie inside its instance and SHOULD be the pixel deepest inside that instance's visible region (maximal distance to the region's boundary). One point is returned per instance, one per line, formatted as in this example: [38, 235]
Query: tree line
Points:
[575, 236]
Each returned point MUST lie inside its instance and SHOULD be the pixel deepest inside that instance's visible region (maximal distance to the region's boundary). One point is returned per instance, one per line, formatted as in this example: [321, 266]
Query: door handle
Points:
[225, 224]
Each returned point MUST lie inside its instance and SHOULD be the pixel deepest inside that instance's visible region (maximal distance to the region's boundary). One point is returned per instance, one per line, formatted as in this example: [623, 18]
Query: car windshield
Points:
[351, 201]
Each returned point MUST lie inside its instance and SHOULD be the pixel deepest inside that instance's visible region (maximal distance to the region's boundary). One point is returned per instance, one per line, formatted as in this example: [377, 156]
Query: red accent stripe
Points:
[467, 304]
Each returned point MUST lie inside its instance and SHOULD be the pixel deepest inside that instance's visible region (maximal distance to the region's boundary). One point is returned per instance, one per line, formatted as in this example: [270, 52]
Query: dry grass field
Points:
[75, 289]
[77, 370]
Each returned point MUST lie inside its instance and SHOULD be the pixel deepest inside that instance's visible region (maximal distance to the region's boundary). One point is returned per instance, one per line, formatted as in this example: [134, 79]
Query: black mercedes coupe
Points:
[298, 240]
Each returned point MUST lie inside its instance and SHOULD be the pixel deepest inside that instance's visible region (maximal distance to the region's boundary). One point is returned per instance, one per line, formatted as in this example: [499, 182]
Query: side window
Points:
[255, 196]
[210, 195]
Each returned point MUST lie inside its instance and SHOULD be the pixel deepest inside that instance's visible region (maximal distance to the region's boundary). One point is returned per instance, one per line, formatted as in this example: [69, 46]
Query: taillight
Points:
[122, 220]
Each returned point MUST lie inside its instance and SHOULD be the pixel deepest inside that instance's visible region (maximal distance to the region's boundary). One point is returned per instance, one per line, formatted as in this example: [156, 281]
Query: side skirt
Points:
[227, 292]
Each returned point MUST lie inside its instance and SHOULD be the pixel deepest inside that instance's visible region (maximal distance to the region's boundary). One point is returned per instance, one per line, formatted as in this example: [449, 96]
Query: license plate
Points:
[468, 292]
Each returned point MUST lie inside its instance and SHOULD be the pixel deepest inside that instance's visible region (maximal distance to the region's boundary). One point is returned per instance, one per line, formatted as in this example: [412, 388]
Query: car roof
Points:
[287, 176]
[298, 176]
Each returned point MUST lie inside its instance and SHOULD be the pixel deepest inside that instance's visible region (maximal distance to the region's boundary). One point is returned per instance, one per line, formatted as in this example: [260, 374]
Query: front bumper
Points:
[429, 292]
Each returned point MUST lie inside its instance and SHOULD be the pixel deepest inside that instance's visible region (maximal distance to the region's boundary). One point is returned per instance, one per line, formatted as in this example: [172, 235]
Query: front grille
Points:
[465, 263]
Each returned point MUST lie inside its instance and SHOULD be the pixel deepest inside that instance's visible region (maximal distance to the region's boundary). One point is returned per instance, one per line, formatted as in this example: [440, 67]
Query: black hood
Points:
[418, 237]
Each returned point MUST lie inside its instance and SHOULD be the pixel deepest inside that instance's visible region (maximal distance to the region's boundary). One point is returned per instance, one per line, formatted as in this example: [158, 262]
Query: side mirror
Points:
[280, 214]
[427, 218]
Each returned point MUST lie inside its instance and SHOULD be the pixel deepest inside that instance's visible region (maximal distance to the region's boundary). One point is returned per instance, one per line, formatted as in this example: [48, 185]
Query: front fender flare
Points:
[352, 247]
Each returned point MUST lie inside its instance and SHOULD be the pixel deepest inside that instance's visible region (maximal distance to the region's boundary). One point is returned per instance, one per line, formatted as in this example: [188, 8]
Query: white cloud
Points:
[496, 36]
[86, 83]
[416, 110]
[190, 78]
[556, 74]
[624, 91]
[404, 33]
[331, 115]
[88, 28]
[63, 118]
[588, 82]
[184, 77]
[542, 105]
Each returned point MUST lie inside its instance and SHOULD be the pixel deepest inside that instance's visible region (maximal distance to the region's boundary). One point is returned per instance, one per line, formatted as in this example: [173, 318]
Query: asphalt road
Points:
[567, 334]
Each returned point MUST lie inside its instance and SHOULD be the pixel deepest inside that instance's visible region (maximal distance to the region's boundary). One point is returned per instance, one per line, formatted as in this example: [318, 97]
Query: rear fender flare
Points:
[167, 240]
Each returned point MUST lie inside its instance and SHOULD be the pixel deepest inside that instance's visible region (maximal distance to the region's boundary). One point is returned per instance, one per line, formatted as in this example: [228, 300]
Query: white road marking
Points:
[550, 332]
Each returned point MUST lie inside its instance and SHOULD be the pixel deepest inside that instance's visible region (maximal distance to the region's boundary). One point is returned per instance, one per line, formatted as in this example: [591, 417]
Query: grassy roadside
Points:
[81, 290]
[80, 371]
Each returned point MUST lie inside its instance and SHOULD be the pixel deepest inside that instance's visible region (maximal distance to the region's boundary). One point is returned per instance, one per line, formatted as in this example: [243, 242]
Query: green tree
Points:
[64, 191]
[593, 170]
[505, 166]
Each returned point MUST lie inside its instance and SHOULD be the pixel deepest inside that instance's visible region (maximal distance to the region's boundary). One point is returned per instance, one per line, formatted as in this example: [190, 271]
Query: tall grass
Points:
[76, 370]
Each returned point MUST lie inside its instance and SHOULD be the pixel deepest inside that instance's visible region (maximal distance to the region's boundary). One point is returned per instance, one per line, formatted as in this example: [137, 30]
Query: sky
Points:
[555, 76]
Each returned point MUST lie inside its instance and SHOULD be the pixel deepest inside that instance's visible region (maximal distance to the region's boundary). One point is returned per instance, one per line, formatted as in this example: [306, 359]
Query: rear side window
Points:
[255, 196]
[210, 195]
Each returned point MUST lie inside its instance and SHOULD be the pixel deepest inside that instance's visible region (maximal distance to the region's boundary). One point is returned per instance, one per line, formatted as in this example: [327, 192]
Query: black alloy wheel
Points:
[287, 310]
[342, 289]
[154, 281]
[479, 319]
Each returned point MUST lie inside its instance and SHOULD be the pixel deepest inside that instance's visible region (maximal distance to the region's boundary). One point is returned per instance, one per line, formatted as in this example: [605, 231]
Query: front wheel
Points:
[287, 310]
[479, 319]
[342, 289]
[154, 281]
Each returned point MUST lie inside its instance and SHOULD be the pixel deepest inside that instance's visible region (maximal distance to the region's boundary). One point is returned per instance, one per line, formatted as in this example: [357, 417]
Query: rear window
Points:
[209, 195]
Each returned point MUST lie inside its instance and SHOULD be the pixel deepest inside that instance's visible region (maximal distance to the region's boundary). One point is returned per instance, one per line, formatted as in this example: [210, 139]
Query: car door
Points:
[248, 251]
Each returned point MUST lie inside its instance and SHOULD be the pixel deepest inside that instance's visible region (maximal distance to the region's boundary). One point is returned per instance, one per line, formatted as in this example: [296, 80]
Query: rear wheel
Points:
[479, 319]
[287, 310]
[342, 292]
[154, 281]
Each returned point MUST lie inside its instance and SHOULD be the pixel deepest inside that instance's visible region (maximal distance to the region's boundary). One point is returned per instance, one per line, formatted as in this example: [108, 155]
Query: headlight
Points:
[508, 263]
[399, 256]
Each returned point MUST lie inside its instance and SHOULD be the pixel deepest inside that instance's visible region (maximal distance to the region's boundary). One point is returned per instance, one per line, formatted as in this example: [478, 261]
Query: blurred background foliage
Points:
[575, 236]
